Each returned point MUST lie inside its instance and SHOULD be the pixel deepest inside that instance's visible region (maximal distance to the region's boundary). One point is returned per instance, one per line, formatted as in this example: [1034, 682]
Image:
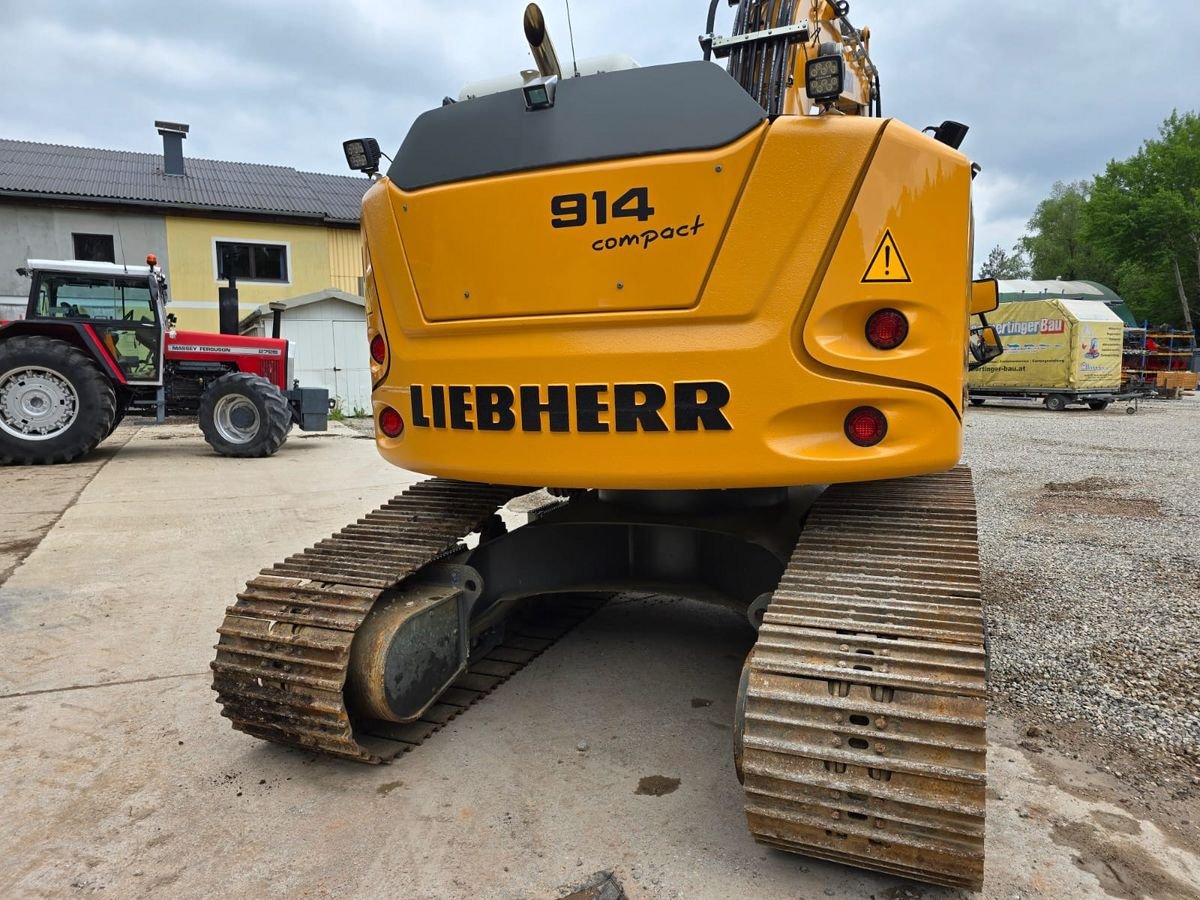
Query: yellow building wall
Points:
[345, 259]
[314, 258]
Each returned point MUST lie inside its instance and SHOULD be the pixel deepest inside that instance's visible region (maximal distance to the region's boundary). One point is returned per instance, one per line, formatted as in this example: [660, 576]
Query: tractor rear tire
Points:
[56, 403]
[245, 416]
[119, 416]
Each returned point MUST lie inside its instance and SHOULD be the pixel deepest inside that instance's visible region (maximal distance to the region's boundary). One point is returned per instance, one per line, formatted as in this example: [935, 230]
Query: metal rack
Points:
[1149, 352]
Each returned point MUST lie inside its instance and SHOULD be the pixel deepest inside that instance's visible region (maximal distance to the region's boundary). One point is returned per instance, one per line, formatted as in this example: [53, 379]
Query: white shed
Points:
[328, 331]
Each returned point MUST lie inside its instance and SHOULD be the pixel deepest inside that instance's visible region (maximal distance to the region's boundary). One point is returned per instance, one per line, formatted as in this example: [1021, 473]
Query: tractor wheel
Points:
[1056, 403]
[122, 407]
[244, 415]
[977, 401]
[56, 404]
[1097, 404]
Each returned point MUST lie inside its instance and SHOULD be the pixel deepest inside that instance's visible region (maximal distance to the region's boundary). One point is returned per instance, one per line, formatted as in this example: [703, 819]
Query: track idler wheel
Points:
[411, 646]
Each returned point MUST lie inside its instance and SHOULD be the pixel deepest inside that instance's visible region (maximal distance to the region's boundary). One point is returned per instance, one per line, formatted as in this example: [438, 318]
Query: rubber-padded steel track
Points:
[863, 738]
[284, 647]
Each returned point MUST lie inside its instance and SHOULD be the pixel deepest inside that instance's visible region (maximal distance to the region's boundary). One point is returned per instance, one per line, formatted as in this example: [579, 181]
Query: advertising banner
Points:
[1054, 344]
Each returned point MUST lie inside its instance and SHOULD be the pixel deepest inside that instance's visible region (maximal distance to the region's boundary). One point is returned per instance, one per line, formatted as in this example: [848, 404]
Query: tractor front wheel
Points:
[244, 415]
[56, 404]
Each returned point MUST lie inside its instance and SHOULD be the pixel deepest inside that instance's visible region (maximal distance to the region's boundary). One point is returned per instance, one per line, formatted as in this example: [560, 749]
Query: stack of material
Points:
[1174, 382]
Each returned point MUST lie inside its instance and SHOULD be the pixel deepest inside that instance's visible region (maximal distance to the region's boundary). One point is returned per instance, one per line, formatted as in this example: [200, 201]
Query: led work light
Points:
[362, 154]
[539, 93]
[824, 77]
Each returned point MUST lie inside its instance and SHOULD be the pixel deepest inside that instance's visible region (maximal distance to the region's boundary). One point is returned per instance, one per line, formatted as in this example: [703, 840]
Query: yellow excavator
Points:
[722, 316]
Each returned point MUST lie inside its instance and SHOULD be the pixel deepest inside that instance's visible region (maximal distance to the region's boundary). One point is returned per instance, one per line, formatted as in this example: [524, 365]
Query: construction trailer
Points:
[1058, 350]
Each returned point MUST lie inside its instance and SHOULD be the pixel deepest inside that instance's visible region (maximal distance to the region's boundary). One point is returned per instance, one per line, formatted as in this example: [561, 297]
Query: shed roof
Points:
[1029, 289]
[57, 171]
[265, 311]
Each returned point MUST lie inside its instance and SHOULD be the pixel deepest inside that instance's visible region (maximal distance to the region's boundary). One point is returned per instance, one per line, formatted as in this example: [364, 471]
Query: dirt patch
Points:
[1124, 870]
[657, 785]
[901, 892]
[1083, 486]
[1080, 497]
[1119, 824]
[387, 787]
[600, 886]
[1127, 507]
[700, 702]
[21, 548]
[1148, 783]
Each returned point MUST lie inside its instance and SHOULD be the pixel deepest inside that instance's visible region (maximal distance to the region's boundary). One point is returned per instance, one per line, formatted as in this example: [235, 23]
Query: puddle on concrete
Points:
[698, 702]
[657, 785]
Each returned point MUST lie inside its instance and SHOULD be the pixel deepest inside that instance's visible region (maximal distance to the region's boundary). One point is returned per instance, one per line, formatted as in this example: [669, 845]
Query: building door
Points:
[313, 346]
[352, 371]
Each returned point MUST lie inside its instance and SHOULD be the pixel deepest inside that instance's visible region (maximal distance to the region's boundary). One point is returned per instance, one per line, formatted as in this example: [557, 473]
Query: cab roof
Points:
[85, 267]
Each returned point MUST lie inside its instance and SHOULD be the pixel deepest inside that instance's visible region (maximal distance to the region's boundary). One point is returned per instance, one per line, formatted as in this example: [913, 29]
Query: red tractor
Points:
[96, 344]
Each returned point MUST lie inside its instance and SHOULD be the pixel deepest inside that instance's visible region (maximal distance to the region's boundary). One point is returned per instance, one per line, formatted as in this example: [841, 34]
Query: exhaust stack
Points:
[539, 42]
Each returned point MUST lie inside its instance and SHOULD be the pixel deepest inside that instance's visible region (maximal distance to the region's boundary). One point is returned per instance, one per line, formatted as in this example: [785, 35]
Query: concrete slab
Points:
[32, 500]
[117, 773]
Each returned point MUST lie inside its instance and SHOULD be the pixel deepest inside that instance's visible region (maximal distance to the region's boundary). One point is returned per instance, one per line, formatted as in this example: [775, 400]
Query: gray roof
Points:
[265, 311]
[55, 171]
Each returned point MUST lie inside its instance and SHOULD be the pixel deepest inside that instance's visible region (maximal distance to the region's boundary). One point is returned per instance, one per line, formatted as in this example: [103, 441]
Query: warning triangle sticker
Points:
[887, 264]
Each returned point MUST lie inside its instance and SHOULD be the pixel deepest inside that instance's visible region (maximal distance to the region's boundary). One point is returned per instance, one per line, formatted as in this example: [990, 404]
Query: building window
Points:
[94, 247]
[252, 262]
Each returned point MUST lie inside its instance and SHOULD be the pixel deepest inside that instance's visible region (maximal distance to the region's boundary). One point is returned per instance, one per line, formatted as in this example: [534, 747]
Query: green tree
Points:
[1056, 244]
[1000, 264]
[1144, 215]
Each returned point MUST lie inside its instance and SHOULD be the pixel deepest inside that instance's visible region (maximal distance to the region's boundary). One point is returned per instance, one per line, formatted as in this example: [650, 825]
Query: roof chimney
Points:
[173, 134]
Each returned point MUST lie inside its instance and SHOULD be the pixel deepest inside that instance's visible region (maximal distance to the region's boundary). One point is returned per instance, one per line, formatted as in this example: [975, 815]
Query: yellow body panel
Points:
[778, 323]
[491, 269]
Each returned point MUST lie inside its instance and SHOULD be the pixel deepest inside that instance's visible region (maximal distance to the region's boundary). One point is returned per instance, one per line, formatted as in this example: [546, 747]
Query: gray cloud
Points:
[1051, 90]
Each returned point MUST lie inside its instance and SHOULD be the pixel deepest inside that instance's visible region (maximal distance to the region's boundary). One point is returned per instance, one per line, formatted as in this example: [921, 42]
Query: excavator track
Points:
[284, 648]
[863, 733]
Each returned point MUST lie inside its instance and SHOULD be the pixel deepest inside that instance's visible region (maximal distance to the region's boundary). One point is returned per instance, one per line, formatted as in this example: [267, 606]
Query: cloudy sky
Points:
[1052, 89]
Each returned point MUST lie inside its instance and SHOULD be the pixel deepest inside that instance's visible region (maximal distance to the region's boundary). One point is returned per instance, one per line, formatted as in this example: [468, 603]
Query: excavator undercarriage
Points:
[860, 733]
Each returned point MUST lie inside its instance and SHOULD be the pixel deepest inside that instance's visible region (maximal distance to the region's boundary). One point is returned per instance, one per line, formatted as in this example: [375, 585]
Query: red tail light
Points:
[866, 426]
[378, 349]
[887, 329]
[391, 423]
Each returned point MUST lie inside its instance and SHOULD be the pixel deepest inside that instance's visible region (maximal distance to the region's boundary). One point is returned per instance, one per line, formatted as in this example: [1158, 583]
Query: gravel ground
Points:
[1090, 546]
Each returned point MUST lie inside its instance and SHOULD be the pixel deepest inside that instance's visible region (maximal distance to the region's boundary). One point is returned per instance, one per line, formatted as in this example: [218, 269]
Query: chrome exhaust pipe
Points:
[539, 42]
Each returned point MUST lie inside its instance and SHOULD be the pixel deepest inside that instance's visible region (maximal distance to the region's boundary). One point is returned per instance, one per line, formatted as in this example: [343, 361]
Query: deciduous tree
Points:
[1144, 216]
[1056, 245]
[1000, 264]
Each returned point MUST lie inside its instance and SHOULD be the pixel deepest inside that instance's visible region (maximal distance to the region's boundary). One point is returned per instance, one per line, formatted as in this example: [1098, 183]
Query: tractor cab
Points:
[123, 307]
